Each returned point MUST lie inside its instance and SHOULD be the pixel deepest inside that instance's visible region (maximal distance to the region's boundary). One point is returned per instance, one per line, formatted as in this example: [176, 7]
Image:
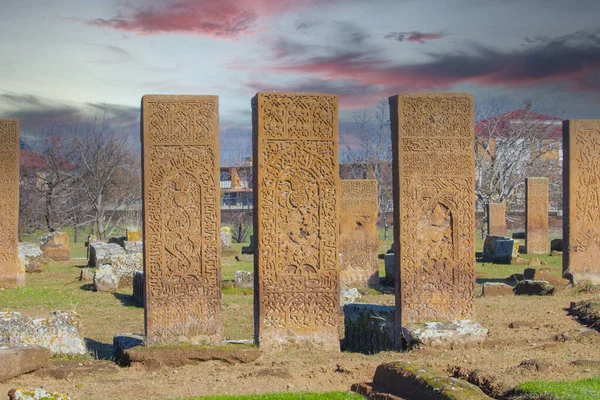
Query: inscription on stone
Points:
[180, 136]
[536, 216]
[581, 227]
[435, 223]
[11, 271]
[497, 219]
[359, 240]
[296, 226]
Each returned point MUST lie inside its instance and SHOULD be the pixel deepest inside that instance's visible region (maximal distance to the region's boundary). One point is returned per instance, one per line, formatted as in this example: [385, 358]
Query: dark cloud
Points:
[414, 36]
[39, 115]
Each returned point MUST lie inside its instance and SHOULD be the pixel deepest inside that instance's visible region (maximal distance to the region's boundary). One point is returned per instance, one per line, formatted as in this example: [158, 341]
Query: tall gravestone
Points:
[11, 271]
[180, 136]
[359, 240]
[296, 214]
[497, 219]
[433, 180]
[536, 216]
[581, 186]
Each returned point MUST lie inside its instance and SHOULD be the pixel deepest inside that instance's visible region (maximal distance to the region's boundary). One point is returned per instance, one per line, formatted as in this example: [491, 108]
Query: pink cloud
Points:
[222, 19]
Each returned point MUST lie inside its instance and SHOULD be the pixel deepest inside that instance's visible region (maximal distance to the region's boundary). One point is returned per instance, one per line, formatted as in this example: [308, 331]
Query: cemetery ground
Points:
[531, 338]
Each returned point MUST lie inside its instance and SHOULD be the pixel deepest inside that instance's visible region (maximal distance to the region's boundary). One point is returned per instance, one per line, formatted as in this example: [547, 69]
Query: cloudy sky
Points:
[67, 59]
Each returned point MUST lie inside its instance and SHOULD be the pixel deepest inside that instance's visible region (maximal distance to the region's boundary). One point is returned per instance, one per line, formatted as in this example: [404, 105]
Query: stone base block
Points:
[491, 289]
[369, 328]
[21, 359]
[453, 334]
[176, 356]
[405, 380]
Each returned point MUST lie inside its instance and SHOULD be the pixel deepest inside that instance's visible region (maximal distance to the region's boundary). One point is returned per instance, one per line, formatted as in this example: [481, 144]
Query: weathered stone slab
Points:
[462, 333]
[86, 275]
[500, 249]
[125, 265]
[389, 261]
[349, 295]
[225, 237]
[540, 275]
[534, 288]
[359, 239]
[76, 369]
[21, 359]
[11, 271]
[134, 234]
[32, 255]
[581, 191]
[60, 332]
[100, 253]
[491, 289]
[182, 245]
[35, 394]
[243, 279]
[55, 246]
[434, 175]
[536, 212]
[176, 356]
[368, 328]
[406, 380]
[139, 287]
[105, 279]
[497, 219]
[133, 247]
[296, 211]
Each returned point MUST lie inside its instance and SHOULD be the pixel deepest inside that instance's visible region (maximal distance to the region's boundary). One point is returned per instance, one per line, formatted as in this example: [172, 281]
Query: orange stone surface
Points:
[497, 219]
[536, 212]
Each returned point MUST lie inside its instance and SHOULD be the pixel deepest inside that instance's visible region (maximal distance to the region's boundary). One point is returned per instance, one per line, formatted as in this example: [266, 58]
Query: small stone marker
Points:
[55, 246]
[182, 246]
[497, 219]
[491, 289]
[134, 234]
[359, 239]
[434, 175]
[243, 279]
[500, 249]
[581, 188]
[296, 225]
[536, 223]
[389, 261]
[12, 274]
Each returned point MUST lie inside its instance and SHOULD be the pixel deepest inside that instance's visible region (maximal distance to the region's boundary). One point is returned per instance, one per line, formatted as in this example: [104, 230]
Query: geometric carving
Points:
[581, 186]
[182, 246]
[296, 219]
[11, 273]
[497, 219]
[536, 216]
[359, 240]
[434, 220]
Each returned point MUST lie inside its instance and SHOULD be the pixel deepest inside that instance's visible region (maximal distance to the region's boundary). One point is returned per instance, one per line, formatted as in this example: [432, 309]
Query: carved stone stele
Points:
[12, 273]
[536, 216]
[581, 186]
[180, 137]
[359, 240]
[434, 217]
[296, 220]
[497, 219]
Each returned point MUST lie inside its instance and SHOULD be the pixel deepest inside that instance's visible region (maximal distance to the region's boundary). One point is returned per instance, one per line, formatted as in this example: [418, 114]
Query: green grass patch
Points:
[287, 396]
[585, 389]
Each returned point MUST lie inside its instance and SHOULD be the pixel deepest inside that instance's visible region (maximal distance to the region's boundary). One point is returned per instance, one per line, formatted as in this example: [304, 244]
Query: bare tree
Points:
[371, 157]
[511, 145]
[107, 179]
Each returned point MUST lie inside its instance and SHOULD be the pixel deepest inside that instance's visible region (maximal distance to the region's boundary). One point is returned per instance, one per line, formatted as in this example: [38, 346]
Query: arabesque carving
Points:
[581, 234]
[181, 217]
[359, 240]
[11, 271]
[296, 192]
[432, 140]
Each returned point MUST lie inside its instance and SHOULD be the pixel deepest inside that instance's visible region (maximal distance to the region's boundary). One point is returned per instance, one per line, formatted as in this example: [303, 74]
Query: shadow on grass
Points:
[126, 300]
[101, 351]
[87, 286]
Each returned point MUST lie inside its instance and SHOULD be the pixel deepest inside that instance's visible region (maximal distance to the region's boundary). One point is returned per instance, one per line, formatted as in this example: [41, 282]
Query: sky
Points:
[65, 60]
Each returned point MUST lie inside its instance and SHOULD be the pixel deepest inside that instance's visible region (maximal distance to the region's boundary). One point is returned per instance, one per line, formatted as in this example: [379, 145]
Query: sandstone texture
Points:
[21, 359]
[61, 331]
[497, 219]
[491, 289]
[536, 212]
[55, 246]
